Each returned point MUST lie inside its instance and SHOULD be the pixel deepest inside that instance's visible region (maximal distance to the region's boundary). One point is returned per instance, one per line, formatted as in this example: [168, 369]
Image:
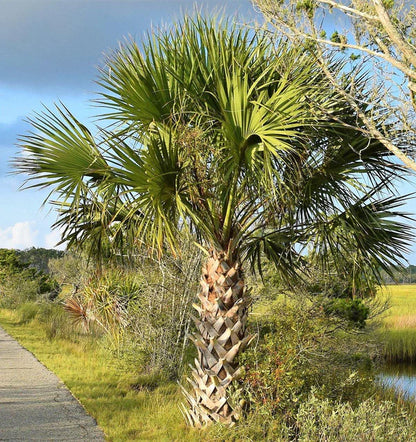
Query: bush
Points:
[17, 289]
[56, 323]
[72, 269]
[300, 349]
[352, 310]
[20, 283]
[309, 379]
[321, 420]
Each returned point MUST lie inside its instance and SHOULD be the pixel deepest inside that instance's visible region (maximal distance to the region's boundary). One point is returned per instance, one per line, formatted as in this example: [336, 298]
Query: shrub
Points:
[107, 298]
[17, 289]
[27, 312]
[321, 420]
[20, 283]
[72, 269]
[353, 311]
[308, 379]
[300, 349]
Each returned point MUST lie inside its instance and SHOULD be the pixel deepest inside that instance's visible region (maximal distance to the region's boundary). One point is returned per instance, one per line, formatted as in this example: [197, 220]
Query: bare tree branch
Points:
[396, 38]
[384, 33]
[351, 11]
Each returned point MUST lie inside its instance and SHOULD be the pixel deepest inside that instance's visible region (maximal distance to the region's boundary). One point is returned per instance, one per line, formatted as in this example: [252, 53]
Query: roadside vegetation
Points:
[308, 373]
[128, 405]
[219, 135]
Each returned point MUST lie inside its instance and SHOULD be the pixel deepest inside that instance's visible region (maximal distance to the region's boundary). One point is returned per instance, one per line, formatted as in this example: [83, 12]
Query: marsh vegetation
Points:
[308, 372]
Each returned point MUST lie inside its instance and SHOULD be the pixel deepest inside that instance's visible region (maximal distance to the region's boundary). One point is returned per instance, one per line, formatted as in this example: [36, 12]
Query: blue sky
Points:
[50, 51]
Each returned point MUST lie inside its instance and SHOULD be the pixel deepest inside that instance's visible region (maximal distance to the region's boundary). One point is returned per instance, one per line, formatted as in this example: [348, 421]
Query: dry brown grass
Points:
[401, 321]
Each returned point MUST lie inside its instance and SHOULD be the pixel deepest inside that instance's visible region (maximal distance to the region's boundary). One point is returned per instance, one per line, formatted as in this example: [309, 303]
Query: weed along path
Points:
[35, 404]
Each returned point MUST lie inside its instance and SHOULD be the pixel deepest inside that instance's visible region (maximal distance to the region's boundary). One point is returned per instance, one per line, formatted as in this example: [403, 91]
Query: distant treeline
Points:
[405, 276]
[38, 257]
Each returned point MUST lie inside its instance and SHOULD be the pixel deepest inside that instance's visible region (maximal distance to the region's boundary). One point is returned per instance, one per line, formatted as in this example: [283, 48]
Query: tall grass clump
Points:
[398, 330]
[56, 323]
[399, 345]
[51, 318]
[27, 312]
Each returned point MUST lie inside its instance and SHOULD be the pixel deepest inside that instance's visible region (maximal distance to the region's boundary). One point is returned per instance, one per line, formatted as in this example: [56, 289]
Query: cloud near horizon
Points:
[52, 239]
[25, 234]
[21, 235]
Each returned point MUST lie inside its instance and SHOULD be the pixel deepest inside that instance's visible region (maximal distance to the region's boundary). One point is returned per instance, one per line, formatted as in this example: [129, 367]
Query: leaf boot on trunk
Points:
[221, 336]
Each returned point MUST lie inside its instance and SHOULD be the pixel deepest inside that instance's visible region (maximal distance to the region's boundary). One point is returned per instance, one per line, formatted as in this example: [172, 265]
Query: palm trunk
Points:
[222, 335]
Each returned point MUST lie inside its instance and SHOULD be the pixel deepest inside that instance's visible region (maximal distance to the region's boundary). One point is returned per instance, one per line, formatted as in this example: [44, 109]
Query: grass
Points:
[402, 313]
[130, 406]
[399, 324]
[126, 405]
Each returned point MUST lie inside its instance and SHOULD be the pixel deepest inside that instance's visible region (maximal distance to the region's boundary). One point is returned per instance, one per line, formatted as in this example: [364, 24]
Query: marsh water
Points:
[400, 376]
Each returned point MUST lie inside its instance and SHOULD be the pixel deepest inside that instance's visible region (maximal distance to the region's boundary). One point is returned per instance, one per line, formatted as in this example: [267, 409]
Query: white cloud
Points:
[52, 238]
[19, 236]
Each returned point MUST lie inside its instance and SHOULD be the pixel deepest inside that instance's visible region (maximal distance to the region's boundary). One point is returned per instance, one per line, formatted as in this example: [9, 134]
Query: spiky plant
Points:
[213, 130]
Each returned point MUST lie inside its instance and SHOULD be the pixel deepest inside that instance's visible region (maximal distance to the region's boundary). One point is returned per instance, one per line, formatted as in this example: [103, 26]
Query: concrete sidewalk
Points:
[35, 404]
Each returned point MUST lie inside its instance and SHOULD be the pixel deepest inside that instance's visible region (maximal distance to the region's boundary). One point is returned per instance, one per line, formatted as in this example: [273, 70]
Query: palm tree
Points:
[214, 131]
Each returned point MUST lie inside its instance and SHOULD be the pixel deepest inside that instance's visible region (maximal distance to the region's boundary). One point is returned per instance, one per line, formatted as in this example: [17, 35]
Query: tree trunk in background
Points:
[221, 336]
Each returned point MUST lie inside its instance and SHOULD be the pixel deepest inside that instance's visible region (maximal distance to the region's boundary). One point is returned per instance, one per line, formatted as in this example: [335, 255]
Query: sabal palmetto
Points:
[213, 130]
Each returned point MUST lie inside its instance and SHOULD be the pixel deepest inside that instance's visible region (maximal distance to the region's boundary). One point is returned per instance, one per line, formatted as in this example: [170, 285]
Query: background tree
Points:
[72, 268]
[38, 257]
[379, 36]
[214, 131]
[20, 282]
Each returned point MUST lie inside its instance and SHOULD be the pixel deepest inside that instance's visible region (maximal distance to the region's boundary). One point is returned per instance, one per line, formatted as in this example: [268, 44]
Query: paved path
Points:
[35, 404]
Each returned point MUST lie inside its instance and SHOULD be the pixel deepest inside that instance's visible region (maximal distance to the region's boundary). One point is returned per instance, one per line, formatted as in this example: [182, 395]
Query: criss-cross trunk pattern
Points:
[220, 337]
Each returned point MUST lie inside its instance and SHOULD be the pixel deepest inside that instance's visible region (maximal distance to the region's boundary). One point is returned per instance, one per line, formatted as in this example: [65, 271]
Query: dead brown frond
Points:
[79, 312]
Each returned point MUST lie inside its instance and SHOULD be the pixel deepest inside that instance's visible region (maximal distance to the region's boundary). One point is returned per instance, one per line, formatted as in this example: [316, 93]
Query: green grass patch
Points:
[127, 405]
[399, 323]
[399, 345]
[402, 312]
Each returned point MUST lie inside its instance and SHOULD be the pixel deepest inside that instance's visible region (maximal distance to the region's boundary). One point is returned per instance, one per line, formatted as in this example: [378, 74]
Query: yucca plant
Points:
[214, 131]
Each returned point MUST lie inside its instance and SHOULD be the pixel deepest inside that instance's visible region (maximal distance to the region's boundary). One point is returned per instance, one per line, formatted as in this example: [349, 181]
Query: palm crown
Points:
[215, 129]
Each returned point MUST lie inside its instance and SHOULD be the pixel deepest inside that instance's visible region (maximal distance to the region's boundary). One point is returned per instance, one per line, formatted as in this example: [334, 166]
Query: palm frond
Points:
[215, 130]
[61, 153]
